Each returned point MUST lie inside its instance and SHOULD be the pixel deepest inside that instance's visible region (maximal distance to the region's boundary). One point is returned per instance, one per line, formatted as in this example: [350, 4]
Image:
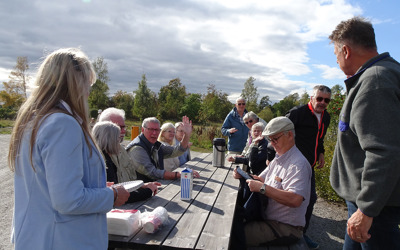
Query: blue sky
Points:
[283, 44]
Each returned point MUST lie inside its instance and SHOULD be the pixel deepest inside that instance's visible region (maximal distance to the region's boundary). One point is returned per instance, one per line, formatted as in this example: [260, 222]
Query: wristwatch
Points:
[262, 189]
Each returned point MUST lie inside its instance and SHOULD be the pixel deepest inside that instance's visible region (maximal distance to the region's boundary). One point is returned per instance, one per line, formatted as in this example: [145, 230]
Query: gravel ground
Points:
[327, 224]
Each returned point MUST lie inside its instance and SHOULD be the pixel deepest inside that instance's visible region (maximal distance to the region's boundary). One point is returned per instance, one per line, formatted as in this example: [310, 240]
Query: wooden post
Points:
[134, 132]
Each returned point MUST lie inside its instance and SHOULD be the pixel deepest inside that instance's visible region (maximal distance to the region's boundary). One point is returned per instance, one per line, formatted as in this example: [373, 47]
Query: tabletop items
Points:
[123, 222]
[186, 184]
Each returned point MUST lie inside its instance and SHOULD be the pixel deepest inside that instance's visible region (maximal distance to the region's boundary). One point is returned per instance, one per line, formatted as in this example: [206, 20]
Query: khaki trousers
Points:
[271, 232]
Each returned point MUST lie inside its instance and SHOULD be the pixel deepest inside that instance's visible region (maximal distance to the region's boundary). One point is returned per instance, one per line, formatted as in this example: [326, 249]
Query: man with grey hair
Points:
[235, 128]
[366, 165]
[148, 154]
[285, 183]
[311, 122]
[116, 116]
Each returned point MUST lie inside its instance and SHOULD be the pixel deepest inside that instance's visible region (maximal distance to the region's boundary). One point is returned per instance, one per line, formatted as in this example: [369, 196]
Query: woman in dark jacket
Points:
[259, 152]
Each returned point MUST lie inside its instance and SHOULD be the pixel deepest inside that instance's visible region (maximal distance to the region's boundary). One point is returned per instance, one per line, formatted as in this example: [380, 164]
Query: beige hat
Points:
[277, 125]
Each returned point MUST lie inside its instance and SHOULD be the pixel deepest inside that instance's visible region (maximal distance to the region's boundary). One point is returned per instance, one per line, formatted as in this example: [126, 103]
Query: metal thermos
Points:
[219, 152]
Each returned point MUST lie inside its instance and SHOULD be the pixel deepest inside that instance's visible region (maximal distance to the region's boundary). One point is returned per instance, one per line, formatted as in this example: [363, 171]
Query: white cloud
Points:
[330, 73]
[4, 73]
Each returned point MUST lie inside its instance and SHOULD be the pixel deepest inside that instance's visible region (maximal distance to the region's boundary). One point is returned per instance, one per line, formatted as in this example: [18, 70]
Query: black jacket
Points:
[258, 157]
[309, 134]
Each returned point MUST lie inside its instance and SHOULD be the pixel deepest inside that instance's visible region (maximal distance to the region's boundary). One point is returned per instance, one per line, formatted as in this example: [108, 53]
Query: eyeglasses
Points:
[152, 130]
[320, 99]
[249, 122]
[241, 103]
[275, 140]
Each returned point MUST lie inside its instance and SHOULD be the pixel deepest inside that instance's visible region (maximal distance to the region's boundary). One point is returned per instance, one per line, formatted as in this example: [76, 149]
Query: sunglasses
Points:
[249, 122]
[320, 99]
[242, 103]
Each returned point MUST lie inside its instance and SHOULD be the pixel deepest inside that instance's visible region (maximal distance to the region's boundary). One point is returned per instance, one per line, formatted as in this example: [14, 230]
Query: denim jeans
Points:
[385, 232]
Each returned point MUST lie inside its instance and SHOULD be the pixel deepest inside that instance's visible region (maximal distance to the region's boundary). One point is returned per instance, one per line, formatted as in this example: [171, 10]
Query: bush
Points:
[203, 136]
[323, 184]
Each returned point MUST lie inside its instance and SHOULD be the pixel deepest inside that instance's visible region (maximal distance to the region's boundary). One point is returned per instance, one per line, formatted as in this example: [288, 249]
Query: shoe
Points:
[310, 243]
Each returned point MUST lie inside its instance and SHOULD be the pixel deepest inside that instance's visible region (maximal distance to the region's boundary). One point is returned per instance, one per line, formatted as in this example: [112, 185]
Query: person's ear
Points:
[346, 51]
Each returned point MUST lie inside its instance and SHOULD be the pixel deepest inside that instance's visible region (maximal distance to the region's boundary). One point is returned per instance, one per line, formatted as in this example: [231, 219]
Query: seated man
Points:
[148, 154]
[286, 184]
[120, 167]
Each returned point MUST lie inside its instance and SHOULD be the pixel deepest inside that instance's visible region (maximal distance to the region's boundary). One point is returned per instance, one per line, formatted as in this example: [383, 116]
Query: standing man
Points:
[235, 128]
[311, 122]
[366, 164]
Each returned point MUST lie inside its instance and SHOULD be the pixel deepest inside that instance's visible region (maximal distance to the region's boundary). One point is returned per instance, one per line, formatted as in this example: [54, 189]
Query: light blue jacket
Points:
[63, 204]
[237, 140]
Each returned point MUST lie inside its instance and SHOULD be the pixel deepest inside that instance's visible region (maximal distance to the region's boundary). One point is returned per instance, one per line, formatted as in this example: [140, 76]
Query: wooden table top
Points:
[202, 223]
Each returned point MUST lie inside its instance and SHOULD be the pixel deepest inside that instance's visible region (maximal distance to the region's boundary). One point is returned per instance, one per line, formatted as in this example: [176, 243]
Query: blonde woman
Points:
[167, 137]
[61, 197]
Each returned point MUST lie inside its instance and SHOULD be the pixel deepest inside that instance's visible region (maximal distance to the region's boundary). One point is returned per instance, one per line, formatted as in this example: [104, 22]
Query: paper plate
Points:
[131, 185]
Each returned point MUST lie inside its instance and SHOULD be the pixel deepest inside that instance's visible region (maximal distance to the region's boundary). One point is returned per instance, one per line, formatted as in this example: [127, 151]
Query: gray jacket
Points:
[366, 162]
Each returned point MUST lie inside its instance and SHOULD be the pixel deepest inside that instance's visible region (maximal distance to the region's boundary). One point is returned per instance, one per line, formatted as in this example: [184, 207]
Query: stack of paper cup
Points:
[155, 219]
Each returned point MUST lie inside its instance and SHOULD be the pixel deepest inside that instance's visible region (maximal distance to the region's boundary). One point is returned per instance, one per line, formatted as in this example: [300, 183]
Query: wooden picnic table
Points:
[204, 222]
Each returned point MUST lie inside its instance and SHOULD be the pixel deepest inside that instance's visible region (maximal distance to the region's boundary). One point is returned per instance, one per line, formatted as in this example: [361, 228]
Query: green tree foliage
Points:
[304, 99]
[171, 97]
[11, 96]
[125, 101]
[145, 104]
[101, 68]
[14, 91]
[191, 107]
[282, 107]
[215, 105]
[249, 93]
[266, 114]
[98, 98]
[19, 76]
[264, 102]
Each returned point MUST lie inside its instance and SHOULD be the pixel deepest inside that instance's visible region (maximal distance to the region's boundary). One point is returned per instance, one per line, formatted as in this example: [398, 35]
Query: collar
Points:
[351, 80]
[310, 107]
[286, 155]
[149, 145]
[235, 112]
[66, 107]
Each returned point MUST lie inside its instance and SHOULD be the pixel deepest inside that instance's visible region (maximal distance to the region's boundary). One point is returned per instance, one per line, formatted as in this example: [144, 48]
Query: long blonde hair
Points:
[65, 74]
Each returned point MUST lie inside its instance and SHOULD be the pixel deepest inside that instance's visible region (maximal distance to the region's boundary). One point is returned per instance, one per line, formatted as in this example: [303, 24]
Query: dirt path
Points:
[6, 194]
[327, 224]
